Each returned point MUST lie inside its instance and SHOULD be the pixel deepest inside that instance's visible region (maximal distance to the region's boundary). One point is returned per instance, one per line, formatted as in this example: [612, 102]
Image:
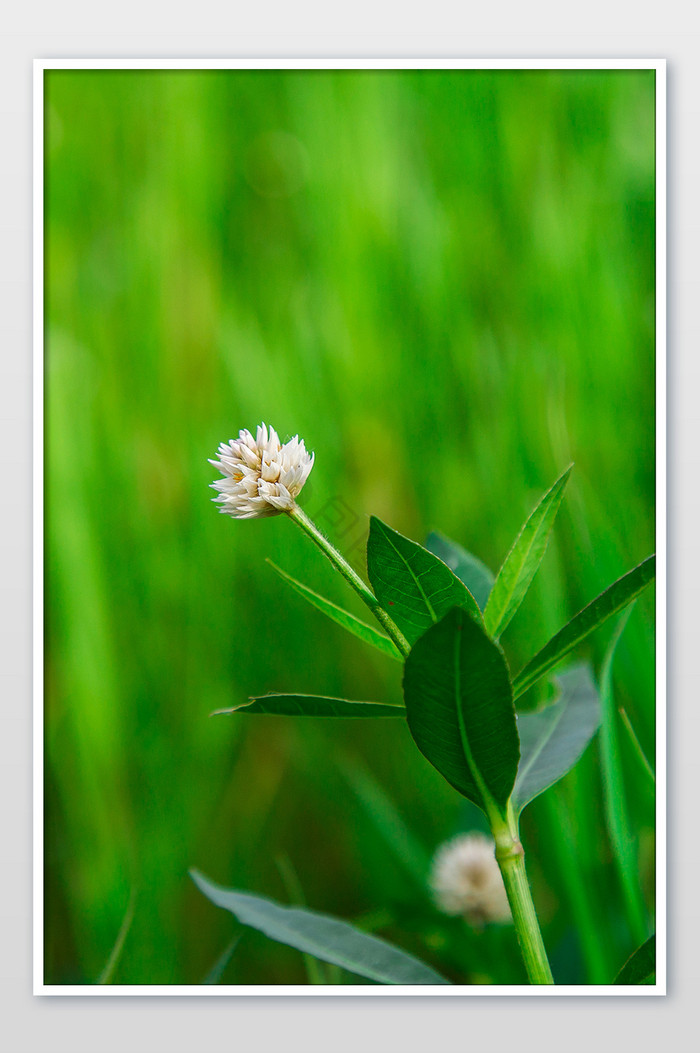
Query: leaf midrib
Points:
[543, 508]
[413, 574]
[519, 566]
[488, 799]
[316, 948]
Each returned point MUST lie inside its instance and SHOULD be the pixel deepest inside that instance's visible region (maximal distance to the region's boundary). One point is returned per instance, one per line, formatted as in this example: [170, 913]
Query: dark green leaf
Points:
[459, 708]
[614, 599]
[325, 937]
[640, 967]
[366, 633]
[552, 740]
[412, 585]
[522, 561]
[470, 570]
[312, 706]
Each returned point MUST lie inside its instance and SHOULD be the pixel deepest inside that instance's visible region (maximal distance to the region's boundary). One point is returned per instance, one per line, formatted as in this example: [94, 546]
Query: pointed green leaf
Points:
[459, 708]
[412, 585]
[524, 558]
[328, 938]
[640, 967]
[354, 625]
[552, 740]
[613, 599]
[274, 705]
[470, 570]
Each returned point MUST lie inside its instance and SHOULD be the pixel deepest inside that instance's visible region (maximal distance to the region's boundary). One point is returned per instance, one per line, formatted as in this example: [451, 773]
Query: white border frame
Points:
[39, 987]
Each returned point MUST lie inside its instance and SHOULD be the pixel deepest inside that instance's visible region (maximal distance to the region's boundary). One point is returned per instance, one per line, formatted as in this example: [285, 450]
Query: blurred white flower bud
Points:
[465, 879]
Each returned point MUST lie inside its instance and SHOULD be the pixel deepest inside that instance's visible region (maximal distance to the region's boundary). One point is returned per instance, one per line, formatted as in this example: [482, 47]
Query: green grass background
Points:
[444, 282]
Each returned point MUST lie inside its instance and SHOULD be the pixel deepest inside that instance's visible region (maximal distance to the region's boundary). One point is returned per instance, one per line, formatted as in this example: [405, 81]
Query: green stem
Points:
[352, 578]
[511, 860]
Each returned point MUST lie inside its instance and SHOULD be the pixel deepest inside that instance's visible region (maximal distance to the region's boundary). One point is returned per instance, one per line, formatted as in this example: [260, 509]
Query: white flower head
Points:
[261, 477]
[466, 880]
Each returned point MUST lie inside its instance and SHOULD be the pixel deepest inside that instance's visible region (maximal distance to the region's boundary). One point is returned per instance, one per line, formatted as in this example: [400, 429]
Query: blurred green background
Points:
[444, 282]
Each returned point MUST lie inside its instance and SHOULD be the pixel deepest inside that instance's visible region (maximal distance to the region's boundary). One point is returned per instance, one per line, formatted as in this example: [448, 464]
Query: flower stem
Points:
[511, 860]
[352, 578]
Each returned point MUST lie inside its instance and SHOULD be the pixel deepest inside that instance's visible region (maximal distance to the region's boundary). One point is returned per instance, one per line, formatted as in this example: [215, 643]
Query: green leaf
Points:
[459, 708]
[274, 705]
[327, 938]
[552, 740]
[524, 558]
[470, 570]
[366, 633]
[612, 600]
[412, 585]
[640, 967]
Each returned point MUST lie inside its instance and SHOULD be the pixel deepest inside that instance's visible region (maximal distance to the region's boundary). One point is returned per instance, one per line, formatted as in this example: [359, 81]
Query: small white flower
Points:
[262, 477]
[466, 880]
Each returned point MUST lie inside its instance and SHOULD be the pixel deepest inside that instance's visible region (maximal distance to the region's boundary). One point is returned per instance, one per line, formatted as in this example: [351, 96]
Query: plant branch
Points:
[352, 578]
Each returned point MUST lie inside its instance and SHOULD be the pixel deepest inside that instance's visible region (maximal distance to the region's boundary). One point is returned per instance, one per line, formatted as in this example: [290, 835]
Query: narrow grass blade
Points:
[640, 967]
[521, 563]
[614, 599]
[412, 585]
[290, 879]
[468, 568]
[615, 800]
[386, 818]
[325, 937]
[214, 975]
[367, 633]
[116, 952]
[312, 706]
[646, 766]
[577, 889]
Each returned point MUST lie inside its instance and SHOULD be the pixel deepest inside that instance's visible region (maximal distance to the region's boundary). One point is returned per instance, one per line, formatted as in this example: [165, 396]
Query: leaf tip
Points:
[231, 709]
[196, 876]
[564, 477]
